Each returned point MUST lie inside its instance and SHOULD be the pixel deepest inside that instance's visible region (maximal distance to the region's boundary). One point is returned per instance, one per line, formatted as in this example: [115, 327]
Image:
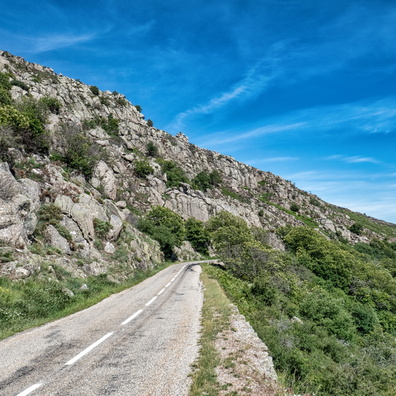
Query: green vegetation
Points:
[204, 181]
[110, 125]
[52, 104]
[101, 228]
[78, 152]
[356, 228]
[152, 149]
[197, 235]
[150, 123]
[164, 226]
[20, 84]
[94, 89]
[22, 123]
[327, 311]
[143, 169]
[229, 193]
[216, 313]
[50, 214]
[31, 302]
[174, 174]
[294, 209]
[370, 224]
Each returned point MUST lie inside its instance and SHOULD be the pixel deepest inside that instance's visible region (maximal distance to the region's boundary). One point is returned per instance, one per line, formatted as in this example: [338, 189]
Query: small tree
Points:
[94, 89]
[356, 228]
[152, 149]
[143, 169]
[164, 226]
[197, 235]
[150, 123]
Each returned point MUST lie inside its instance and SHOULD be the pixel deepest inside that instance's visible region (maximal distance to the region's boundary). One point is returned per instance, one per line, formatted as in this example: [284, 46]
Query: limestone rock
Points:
[186, 252]
[109, 248]
[56, 240]
[116, 224]
[107, 179]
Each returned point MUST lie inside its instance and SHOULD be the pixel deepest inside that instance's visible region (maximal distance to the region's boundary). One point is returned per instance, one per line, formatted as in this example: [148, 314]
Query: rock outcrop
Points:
[115, 192]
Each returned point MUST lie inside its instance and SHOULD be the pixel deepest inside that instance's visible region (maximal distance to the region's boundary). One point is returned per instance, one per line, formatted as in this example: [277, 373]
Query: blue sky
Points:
[304, 89]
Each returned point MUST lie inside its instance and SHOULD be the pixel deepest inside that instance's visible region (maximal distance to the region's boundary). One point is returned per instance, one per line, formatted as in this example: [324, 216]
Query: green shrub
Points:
[152, 149]
[150, 123]
[323, 257]
[227, 231]
[94, 89]
[5, 97]
[52, 104]
[138, 108]
[5, 82]
[356, 228]
[101, 227]
[78, 152]
[229, 193]
[20, 84]
[50, 214]
[111, 126]
[197, 235]
[294, 207]
[174, 174]
[121, 101]
[164, 226]
[204, 181]
[10, 116]
[143, 169]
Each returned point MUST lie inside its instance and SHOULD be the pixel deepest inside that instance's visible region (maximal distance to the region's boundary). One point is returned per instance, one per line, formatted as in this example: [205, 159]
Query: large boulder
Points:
[18, 201]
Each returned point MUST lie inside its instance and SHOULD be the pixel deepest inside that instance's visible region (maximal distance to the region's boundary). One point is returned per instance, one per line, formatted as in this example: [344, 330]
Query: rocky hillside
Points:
[86, 164]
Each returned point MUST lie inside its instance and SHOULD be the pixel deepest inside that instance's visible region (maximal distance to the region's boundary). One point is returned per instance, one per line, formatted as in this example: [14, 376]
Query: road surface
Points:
[141, 341]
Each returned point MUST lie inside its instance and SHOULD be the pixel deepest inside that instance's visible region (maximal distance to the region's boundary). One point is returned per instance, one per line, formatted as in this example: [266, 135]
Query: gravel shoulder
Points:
[245, 364]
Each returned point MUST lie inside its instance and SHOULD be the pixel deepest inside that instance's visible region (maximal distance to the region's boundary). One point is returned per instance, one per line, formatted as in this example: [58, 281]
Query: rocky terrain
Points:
[86, 220]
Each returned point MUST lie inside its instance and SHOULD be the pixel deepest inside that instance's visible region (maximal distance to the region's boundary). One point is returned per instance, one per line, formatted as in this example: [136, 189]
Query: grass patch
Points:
[216, 313]
[233, 194]
[32, 302]
[370, 224]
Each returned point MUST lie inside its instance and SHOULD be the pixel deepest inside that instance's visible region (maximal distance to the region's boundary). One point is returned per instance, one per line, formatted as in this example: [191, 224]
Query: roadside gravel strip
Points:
[141, 341]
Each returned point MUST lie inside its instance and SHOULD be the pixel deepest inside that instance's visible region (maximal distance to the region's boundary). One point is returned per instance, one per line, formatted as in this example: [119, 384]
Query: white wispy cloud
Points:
[51, 41]
[246, 88]
[231, 137]
[349, 189]
[356, 118]
[258, 161]
[352, 159]
[255, 80]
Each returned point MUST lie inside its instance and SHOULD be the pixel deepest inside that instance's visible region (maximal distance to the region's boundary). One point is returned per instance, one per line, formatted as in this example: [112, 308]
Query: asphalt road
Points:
[141, 341]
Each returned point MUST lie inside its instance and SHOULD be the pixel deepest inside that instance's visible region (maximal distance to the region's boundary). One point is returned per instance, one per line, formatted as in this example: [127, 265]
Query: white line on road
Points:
[169, 283]
[132, 317]
[159, 293]
[151, 301]
[29, 390]
[85, 351]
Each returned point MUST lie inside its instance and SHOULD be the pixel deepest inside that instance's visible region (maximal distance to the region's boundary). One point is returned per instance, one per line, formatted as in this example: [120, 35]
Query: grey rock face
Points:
[18, 200]
[115, 195]
[56, 240]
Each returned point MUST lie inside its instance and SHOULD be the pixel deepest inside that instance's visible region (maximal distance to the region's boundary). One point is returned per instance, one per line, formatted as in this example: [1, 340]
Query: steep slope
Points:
[97, 165]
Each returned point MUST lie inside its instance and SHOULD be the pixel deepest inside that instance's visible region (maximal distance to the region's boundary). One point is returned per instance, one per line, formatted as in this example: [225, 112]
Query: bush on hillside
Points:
[164, 226]
[197, 235]
[174, 174]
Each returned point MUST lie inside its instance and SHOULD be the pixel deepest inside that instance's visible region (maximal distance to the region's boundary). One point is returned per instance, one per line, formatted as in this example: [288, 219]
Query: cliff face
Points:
[116, 191]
